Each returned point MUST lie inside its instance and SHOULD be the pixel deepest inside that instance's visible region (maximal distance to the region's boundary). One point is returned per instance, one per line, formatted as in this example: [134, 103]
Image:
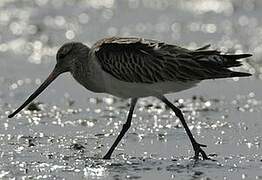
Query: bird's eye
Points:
[61, 55]
[63, 51]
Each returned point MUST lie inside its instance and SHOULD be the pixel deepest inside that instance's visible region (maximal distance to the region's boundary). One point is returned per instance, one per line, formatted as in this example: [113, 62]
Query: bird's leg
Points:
[126, 126]
[179, 114]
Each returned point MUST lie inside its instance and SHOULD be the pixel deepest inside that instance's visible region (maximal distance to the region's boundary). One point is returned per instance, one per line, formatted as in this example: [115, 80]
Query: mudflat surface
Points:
[73, 128]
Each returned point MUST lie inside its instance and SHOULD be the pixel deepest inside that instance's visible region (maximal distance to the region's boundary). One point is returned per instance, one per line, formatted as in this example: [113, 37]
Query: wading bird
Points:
[137, 67]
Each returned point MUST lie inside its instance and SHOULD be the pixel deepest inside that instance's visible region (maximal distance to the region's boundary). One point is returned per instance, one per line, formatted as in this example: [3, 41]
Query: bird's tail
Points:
[233, 60]
[239, 74]
[213, 60]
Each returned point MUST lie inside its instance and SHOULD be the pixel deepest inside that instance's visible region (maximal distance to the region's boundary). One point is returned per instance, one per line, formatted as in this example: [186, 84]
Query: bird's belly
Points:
[128, 89]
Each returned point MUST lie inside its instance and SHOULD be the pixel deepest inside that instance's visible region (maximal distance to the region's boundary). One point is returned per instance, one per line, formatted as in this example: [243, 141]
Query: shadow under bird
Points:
[136, 67]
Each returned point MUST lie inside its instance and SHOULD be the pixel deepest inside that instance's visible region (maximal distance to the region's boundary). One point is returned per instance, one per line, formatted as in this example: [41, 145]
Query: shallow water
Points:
[73, 128]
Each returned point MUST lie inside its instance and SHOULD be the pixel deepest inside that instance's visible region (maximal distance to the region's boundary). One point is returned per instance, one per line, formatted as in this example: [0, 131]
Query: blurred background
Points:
[36, 28]
[55, 137]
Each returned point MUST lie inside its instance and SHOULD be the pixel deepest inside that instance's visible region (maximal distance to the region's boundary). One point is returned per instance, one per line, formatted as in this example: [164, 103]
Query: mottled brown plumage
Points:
[149, 61]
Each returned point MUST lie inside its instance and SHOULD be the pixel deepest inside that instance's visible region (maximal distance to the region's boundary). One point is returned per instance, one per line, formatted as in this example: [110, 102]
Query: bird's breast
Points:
[90, 76]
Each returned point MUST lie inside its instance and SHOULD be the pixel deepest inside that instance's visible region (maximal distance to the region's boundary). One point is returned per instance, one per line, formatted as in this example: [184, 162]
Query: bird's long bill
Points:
[42, 87]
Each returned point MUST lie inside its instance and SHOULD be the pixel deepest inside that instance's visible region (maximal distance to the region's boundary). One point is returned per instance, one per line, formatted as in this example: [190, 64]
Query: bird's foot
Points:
[198, 150]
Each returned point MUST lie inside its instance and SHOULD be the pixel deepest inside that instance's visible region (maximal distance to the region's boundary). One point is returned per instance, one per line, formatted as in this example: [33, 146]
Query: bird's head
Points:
[67, 57]
[69, 54]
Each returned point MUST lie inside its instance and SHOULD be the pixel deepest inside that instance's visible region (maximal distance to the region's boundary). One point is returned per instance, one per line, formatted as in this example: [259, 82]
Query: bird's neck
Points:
[80, 69]
[85, 72]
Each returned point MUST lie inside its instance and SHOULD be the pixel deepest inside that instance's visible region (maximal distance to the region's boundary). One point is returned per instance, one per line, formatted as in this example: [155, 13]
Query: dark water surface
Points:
[71, 128]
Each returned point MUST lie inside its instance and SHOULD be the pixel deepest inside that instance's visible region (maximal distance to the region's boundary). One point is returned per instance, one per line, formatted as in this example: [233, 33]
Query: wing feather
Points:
[149, 61]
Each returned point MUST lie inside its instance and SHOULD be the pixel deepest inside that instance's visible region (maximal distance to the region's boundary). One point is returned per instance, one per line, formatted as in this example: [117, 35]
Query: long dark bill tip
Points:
[41, 88]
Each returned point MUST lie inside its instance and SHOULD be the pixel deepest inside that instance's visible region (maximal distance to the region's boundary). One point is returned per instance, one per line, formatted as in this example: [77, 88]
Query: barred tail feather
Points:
[232, 60]
[240, 74]
[236, 56]
[217, 64]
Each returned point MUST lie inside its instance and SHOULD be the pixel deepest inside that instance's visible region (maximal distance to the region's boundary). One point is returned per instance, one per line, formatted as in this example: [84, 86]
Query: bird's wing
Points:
[149, 61]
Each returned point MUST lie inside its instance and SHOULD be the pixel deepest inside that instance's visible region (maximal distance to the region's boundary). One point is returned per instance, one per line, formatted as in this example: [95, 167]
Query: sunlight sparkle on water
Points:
[97, 172]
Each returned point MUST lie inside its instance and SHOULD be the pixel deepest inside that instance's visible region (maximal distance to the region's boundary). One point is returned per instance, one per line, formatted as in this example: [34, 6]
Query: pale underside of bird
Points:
[136, 67]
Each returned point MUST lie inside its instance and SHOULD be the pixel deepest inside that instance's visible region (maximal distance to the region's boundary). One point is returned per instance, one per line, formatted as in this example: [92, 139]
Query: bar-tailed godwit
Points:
[137, 67]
